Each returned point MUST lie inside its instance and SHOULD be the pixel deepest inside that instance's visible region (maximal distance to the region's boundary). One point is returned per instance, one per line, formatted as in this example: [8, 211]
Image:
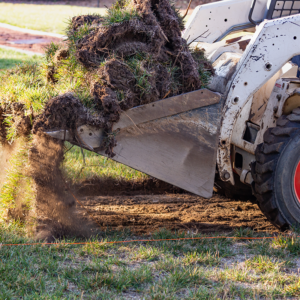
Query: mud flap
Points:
[174, 140]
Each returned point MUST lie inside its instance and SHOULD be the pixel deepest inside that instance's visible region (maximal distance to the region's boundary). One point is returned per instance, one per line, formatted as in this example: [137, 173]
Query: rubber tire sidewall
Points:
[285, 197]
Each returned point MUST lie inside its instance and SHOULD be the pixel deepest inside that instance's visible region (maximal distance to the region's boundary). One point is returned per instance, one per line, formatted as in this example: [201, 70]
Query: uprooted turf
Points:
[133, 55]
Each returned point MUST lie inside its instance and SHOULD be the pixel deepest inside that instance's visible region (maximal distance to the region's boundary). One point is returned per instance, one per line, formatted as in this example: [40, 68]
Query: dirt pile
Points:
[133, 56]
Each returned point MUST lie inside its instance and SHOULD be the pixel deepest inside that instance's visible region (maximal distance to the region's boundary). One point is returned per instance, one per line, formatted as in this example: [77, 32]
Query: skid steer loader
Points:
[242, 134]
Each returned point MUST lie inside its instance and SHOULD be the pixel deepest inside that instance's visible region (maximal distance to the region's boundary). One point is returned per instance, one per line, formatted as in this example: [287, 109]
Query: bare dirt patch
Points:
[148, 213]
[25, 41]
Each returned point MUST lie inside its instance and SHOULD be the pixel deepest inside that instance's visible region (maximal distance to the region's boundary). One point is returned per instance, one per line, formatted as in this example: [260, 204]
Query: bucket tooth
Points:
[90, 136]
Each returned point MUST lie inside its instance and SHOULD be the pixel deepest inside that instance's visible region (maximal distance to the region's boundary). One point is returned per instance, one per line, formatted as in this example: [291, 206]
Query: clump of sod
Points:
[132, 56]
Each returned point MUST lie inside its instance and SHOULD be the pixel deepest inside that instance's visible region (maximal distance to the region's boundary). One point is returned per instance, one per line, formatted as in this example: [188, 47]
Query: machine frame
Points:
[272, 46]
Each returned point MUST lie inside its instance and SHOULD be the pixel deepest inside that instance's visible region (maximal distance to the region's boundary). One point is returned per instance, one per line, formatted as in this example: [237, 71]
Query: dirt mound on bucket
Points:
[133, 56]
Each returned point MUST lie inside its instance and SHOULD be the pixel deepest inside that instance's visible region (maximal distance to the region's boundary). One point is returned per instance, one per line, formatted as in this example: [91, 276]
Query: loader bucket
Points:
[174, 140]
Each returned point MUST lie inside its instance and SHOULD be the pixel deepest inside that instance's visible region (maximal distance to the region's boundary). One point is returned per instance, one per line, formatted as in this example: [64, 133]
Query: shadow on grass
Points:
[104, 186]
[9, 63]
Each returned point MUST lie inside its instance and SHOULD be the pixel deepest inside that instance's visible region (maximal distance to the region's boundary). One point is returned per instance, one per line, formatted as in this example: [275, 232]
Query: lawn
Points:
[9, 59]
[49, 18]
[95, 166]
[190, 269]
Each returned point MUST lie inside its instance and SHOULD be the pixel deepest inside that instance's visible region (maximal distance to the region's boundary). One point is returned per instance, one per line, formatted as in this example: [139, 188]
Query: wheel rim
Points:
[297, 181]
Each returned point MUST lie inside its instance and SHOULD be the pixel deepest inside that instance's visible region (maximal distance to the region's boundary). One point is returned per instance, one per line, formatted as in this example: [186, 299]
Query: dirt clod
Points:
[60, 55]
[65, 111]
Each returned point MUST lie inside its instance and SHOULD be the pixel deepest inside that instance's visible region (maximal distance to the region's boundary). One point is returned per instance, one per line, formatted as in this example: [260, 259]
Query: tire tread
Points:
[263, 170]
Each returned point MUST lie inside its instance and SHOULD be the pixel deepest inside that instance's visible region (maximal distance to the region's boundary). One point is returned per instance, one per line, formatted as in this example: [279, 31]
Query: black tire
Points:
[274, 170]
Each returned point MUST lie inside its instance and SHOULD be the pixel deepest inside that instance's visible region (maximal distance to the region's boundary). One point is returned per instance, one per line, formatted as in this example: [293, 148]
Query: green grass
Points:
[264, 264]
[26, 84]
[10, 58]
[147, 270]
[95, 166]
[48, 18]
[120, 12]
[17, 188]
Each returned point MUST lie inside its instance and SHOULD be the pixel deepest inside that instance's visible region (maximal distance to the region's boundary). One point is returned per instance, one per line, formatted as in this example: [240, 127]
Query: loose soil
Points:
[144, 214]
[7, 36]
